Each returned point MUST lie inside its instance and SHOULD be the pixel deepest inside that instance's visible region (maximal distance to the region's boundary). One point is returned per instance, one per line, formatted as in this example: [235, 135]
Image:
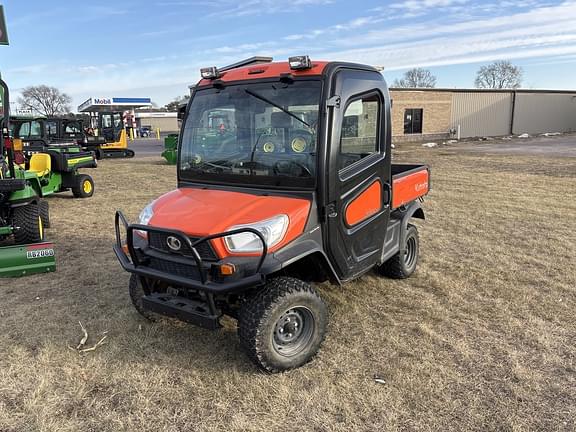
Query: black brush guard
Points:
[135, 262]
[202, 313]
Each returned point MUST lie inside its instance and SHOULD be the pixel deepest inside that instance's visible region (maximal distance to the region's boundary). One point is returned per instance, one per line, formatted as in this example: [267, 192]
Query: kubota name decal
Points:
[421, 187]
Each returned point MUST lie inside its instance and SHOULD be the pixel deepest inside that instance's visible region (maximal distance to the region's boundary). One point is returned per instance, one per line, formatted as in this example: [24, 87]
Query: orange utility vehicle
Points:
[297, 187]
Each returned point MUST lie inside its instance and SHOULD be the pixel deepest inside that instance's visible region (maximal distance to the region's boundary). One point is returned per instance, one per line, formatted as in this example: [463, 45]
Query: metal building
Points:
[481, 113]
[419, 114]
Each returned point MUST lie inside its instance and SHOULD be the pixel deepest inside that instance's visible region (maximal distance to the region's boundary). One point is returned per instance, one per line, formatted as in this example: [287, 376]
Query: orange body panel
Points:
[201, 212]
[266, 70]
[409, 187]
[367, 204]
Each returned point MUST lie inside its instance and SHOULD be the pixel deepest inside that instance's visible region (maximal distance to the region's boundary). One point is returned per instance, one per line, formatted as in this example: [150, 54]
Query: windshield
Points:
[256, 134]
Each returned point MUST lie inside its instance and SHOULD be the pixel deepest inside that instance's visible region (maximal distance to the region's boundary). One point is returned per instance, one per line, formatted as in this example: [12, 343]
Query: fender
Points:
[412, 210]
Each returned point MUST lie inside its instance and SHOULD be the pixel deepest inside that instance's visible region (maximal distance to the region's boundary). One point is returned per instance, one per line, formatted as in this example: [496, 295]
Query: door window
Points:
[117, 120]
[51, 129]
[106, 120]
[413, 121]
[36, 129]
[24, 130]
[359, 137]
[72, 128]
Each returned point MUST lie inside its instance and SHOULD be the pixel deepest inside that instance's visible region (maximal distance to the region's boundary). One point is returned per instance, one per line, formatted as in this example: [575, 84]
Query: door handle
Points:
[331, 210]
[387, 192]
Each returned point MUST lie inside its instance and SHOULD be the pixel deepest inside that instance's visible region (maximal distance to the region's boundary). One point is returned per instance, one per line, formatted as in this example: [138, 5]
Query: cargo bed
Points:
[409, 182]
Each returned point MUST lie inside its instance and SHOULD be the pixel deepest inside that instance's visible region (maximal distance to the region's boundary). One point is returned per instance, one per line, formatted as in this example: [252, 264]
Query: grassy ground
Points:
[482, 337]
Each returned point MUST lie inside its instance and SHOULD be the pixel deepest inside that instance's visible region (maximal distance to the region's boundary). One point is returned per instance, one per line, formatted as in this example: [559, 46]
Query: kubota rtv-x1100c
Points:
[284, 178]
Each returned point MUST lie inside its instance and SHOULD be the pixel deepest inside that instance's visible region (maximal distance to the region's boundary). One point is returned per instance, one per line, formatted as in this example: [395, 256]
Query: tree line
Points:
[497, 75]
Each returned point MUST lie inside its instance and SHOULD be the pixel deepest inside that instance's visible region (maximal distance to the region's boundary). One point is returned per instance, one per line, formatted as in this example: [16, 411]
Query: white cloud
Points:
[418, 5]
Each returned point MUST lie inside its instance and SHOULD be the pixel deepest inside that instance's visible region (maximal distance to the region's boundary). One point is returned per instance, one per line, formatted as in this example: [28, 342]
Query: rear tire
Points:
[283, 325]
[44, 213]
[403, 264]
[28, 224]
[83, 186]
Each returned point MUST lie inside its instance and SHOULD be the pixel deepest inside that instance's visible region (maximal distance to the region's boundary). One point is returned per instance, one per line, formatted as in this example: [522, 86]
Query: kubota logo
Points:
[174, 243]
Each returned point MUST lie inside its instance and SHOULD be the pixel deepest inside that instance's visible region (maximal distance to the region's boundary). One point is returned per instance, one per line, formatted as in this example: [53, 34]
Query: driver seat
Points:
[40, 164]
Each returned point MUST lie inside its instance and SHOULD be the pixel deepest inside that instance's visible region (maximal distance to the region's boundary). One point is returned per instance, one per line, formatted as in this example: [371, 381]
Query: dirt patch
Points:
[482, 337]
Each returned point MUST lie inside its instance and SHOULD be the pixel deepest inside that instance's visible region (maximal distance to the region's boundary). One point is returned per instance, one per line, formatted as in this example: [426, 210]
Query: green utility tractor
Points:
[54, 172]
[23, 213]
[170, 152]
[39, 134]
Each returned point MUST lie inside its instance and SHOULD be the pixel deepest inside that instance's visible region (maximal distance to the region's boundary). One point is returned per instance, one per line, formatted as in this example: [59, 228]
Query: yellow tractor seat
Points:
[40, 164]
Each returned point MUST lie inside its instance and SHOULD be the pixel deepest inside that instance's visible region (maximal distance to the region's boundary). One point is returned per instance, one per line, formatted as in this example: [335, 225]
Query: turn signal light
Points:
[227, 269]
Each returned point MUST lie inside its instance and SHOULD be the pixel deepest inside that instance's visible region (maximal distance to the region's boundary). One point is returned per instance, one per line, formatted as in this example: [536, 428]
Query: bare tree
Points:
[45, 100]
[173, 106]
[416, 78]
[499, 75]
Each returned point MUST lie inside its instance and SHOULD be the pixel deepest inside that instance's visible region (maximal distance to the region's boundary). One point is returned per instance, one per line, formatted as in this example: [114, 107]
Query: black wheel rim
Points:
[293, 331]
[410, 253]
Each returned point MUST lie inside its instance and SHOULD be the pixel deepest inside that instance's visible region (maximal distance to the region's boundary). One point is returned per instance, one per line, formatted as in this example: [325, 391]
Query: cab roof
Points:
[266, 70]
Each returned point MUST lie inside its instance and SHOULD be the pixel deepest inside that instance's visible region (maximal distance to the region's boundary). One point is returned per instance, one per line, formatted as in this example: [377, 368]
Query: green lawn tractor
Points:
[23, 213]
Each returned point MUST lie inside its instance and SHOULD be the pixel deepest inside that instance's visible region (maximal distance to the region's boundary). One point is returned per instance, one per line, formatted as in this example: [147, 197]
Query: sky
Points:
[155, 48]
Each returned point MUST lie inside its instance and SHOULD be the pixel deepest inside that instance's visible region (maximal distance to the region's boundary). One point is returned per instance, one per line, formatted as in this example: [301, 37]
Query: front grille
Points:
[157, 240]
[189, 271]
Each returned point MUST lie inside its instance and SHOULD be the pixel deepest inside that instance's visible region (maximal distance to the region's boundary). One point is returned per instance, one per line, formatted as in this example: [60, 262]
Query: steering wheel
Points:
[285, 166]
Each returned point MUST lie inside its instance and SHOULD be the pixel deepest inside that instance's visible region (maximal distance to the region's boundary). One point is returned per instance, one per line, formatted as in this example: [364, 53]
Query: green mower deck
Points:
[23, 260]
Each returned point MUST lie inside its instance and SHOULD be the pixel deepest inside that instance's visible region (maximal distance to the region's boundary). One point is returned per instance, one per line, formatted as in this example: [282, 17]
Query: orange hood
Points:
[201, 212]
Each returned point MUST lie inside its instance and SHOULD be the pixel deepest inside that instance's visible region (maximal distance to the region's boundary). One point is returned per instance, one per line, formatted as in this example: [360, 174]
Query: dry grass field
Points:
[481, 338]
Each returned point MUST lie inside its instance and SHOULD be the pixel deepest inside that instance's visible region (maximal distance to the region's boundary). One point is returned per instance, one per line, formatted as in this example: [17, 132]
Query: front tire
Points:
[136, 291]
[404, 263]
[83, 186]
[28, 224]
[283, 325]
[44, 213]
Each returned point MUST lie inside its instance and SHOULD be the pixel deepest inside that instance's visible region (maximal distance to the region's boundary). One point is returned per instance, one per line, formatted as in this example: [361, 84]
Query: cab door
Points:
[111, 126]
[358, 170]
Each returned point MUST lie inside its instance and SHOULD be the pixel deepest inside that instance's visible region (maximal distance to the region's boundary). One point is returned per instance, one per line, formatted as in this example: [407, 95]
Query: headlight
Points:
[272, 229]
[146, 214]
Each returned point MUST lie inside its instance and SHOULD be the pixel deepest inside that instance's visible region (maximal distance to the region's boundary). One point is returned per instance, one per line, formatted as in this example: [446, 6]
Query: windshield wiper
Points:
[262, 98]
[203, 164]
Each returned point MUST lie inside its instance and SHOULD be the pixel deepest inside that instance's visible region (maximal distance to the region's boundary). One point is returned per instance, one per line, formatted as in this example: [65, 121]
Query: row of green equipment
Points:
[24, 183]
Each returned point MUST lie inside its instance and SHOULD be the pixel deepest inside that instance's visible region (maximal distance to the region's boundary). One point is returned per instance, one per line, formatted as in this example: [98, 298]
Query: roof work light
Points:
[300, 62]
[209, 72]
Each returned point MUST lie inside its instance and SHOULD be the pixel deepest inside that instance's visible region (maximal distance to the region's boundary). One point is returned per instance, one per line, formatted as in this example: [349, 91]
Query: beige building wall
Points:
[540, 113]
[482, 113]
[436, 105]
[166, 124]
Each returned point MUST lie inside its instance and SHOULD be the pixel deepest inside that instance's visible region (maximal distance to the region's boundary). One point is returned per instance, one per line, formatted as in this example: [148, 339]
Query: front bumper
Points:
[199, 275]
